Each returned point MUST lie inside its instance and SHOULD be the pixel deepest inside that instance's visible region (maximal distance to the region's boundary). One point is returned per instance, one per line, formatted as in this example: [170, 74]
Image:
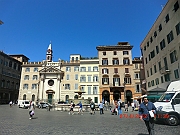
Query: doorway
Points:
[116, 95]
[50, 98]
[128, 96]
[106, 96]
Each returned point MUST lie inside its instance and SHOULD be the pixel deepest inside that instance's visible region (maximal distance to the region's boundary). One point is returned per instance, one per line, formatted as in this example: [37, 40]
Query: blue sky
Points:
[74, 26]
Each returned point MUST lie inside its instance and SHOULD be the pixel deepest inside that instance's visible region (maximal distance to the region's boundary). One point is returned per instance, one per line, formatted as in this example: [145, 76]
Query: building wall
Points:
[165, 71]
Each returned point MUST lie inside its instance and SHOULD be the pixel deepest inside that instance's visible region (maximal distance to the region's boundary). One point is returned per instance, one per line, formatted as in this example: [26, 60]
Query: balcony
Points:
[164, 70]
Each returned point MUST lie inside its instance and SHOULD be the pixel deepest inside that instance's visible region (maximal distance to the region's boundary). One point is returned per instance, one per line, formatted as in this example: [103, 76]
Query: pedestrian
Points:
[119, 107]
[92, 106]
[10, 103]
[31, 110]
[126, 107]
[132, 105]
[101, 106]
[146, 113]
[80, 108]
[72, 105]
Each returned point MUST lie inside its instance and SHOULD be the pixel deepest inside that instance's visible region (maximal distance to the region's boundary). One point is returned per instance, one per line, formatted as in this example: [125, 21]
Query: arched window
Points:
[33, 97]
[24, 97]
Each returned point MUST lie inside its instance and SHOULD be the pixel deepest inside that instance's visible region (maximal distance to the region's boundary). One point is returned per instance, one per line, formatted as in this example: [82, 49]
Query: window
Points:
[115, 62]
[146, 60]
[148, 44]
[176, 74]
[149, 84]
[89, 78]
[83, 69]
[155, 34]
[82, 88]
[24, 97]
[104, 71]
[152, 83]
[27, 70]
[26, 77]
[105, 80]
[125, 52]
[104, 53]
[159, 63]
[35, 77]
[127, 80]
[176, 6]
[155, 70]
[147, 73]
[149, 57]
[95, 88]
[67, 86]
[95, 68]
[166, 77]
[34, 86]
[115, 53]
[151, 71]
[68, 69]
[89, 69]
[162, 79]
[116, 81]
[89, 89]
[104, 62]
[15, 65]
[138, 88]
[82, 78]
[178, 28]
[95, 78]
[72, 58]
[136, 76]
[151, 39]
[76, 68]
[167, 18]
[3, 83]
[35, 69]
[177, 98]
[136, 66]
[173, 56]
[126, 61]
[144, 48]
[67, 77]
[115, 70]
[33, 97]
[157, 49]
[77, 59]
[160, 27]
[76, 76]
[25, 86]
[76, 86]
[10, 63]
[157, 81]
[170, 37]
[162, 44]
[152, 54]
[126, 70]
[8, 84]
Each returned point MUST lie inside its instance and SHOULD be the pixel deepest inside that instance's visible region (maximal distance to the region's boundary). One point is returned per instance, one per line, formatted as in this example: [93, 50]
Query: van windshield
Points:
[26, 102]
[166, 97]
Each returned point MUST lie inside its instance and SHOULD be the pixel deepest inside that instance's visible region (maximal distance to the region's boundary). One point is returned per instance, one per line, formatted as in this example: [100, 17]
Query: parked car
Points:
[43, 105]
[23, 104]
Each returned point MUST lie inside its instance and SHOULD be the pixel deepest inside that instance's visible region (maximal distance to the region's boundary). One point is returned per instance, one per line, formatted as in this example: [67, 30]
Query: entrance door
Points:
[128, 96]
[106, 96]
[50, 98]
[116, 95]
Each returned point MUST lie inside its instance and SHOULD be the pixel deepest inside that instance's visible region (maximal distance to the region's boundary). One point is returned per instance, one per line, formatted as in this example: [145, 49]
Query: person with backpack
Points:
[119, 105]
[92, 106]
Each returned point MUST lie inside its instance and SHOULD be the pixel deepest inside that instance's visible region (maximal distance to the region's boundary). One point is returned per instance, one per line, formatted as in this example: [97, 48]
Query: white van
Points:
[168, 105]
[23, 103]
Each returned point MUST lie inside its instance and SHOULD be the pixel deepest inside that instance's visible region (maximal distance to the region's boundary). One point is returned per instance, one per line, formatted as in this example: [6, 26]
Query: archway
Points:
[128, 96]
[116, 95]
[106, 95]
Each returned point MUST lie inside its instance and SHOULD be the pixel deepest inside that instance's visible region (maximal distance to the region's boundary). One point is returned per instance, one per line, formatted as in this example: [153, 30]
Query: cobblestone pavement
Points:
[15, 121]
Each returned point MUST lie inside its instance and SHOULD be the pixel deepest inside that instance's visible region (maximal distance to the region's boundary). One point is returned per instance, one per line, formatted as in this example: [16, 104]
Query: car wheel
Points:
[173, 120]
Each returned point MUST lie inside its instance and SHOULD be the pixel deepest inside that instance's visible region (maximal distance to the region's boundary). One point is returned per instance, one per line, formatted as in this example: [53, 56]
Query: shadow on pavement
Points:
[35, 118]
[142, 134]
